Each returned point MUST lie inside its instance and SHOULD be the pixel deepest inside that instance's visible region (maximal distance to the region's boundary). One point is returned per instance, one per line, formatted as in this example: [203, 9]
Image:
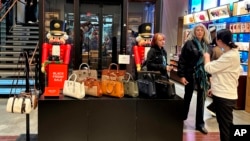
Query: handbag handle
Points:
[74, 81]
[73, 74]
[85, 65]
[114, 64]
[130, 77]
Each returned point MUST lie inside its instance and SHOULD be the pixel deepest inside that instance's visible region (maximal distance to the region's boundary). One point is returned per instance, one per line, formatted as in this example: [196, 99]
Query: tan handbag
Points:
[73, 89]
[112, 88]
[85, 73]
[113, 73]
[93, 87]
[130, 86]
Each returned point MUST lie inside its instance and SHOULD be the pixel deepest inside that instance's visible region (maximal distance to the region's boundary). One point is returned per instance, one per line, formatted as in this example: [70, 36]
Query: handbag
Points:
[165, 89]
[113, 73]
[92, 87]
[72, 88]
[146, 83]
[112, 87]
[130, 86]
[85, 73]
[24, 102]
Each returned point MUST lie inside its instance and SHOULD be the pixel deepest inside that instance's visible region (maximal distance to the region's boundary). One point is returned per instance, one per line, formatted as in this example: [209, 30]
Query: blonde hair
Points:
[206, 38]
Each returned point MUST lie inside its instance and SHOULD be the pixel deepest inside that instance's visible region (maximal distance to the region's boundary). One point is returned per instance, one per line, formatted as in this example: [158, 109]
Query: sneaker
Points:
[211, 109]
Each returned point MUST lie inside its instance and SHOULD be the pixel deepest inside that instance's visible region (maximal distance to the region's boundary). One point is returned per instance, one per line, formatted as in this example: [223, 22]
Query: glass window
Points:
[195, 6]
[209, 4]
[223, 2]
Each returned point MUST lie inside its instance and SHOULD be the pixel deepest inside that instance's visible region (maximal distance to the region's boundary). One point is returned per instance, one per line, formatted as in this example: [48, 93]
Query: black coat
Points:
[155, 60]
[190, 55]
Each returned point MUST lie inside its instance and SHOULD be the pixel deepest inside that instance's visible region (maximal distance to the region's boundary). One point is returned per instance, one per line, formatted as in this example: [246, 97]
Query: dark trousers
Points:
[189, 89]
[224, 116]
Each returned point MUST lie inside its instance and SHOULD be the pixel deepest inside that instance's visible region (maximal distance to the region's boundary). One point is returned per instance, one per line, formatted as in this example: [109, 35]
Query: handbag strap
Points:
[80, 67]
[114, 64]
[130, 77]
[23, 55]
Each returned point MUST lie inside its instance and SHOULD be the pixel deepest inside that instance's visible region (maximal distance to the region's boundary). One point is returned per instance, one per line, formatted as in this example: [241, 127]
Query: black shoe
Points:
[202, 130]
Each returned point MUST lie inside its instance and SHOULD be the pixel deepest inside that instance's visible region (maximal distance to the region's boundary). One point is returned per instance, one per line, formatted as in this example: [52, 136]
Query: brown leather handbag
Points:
[112, 87]
[93, 87]
[113, 73]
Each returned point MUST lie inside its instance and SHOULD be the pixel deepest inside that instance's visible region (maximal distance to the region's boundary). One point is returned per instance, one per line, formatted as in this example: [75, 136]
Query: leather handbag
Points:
[165, 89]
[112, 87]
[25, 102]
[85, 73]
[20, 104]
[113, 73]
[130, 86]
[72, 88]
[146, 83]
[92, 87]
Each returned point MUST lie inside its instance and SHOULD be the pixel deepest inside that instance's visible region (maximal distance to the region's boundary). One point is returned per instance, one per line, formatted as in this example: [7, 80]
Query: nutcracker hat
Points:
[57, 27]
[145, 30]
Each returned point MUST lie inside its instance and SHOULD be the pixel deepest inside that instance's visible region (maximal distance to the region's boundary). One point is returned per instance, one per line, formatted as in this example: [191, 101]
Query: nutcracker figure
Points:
[56, 50]
[143, 45]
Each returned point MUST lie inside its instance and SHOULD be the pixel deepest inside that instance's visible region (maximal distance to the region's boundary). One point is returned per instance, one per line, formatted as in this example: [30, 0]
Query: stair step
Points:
[26, 32]
[14, 41]
[10, 52]
[10, 81]
[23, 36]
[25, 27]
[12, 73]
[6, 91]
[7, 65]
[18, 46]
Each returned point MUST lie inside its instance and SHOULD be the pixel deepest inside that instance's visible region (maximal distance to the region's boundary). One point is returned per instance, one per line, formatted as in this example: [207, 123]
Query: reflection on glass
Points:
[209, 4]
[195, 6]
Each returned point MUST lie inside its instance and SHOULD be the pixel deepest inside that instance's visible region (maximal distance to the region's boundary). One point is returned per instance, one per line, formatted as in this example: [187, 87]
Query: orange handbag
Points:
[112, 88]
[93, 87]
[111, 73]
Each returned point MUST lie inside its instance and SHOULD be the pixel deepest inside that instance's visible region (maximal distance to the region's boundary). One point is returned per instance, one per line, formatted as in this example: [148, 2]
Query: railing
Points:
[12, 2]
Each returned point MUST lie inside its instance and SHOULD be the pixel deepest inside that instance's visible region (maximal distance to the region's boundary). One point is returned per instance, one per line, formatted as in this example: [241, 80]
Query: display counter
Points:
[110, 119]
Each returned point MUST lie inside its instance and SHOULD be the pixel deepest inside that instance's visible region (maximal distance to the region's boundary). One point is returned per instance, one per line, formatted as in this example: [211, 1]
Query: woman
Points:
[225, 72]
[192, 73]
[157, 56]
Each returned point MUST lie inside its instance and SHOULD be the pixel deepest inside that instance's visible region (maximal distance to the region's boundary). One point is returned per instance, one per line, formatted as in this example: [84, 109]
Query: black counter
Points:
[110, 119]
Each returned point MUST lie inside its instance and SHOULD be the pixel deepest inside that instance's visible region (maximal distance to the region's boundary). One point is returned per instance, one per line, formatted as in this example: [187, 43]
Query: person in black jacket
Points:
[192, 73]
[157, 56]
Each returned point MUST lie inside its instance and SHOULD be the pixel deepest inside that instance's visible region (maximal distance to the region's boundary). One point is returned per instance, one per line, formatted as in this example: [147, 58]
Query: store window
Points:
[209, 4]
[223, 2]
[195, 6]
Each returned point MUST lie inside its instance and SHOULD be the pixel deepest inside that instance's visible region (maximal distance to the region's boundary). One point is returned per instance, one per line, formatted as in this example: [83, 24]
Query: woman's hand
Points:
[209, 93]
[206, 57]
[184, 81]
[169, 68]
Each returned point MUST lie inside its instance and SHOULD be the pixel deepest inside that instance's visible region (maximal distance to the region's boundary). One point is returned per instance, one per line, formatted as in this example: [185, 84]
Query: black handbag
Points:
[146, 83]
[165, 89]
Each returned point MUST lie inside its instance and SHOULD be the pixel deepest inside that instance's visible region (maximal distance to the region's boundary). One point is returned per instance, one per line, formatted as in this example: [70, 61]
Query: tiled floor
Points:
[13, 125]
